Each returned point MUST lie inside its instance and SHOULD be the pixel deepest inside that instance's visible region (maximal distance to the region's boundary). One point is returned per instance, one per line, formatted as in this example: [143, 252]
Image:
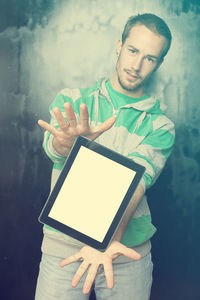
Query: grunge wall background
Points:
[48, 45]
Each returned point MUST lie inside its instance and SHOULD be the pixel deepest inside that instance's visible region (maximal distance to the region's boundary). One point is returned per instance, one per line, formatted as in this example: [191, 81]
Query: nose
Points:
[137, 63]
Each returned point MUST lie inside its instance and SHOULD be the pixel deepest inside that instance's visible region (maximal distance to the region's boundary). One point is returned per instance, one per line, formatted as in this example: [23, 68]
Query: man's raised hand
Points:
[69, 130]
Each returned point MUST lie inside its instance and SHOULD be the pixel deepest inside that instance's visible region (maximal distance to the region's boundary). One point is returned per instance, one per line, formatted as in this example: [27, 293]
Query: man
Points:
[120, 115]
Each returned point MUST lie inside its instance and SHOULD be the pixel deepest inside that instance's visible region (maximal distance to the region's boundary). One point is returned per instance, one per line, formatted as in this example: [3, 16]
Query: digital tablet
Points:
[91, 193]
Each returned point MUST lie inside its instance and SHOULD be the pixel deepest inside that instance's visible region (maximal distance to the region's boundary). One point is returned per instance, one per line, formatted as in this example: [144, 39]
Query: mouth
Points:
[131, 76]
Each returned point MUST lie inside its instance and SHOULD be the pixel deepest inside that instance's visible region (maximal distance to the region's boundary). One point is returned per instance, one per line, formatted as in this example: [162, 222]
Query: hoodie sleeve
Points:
[155, 149]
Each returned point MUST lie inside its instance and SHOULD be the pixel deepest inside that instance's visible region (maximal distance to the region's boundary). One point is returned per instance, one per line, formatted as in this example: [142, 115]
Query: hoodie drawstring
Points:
[140, 120]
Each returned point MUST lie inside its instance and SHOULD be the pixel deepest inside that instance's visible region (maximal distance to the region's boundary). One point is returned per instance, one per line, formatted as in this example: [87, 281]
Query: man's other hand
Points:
[92, 259]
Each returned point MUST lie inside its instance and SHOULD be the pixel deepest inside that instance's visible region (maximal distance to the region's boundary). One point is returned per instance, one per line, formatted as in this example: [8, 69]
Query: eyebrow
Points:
[148, 55]
[153, 56]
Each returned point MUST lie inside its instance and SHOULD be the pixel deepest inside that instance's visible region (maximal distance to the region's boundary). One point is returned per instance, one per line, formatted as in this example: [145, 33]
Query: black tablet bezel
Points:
[94, 146]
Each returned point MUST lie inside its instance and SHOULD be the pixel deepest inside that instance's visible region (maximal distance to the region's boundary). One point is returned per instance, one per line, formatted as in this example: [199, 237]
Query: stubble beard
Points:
[124, 84]
[126, 87]
[135, 88]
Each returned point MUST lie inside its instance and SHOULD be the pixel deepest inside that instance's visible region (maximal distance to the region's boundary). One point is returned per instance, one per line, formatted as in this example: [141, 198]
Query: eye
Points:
[150, 59]
[132, 50]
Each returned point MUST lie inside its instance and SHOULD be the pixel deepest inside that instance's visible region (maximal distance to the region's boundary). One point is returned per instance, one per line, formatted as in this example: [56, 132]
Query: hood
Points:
[148, 105]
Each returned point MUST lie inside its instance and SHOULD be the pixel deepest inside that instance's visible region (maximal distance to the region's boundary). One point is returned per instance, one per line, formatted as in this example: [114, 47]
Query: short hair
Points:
[152, 22]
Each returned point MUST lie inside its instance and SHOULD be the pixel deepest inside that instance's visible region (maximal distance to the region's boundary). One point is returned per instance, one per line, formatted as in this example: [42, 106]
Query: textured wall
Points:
[48, 45]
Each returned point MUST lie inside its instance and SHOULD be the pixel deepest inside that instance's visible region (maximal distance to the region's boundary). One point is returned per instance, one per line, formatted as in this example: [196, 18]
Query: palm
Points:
[93, 258]
[69, 130]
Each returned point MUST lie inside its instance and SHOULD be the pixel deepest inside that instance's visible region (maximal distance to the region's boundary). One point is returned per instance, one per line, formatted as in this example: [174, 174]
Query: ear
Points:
[119, 47]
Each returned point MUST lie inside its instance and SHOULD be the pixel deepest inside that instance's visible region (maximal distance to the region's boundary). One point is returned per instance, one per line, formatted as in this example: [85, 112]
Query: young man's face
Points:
[139, 57]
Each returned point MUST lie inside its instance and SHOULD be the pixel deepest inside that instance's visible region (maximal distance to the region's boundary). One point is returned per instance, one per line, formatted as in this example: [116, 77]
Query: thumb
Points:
[106, 125]
[130, 253]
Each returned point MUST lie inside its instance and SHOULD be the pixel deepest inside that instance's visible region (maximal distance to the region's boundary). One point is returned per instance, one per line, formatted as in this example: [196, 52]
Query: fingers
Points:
[116, 248]
[109, 123]
[71, 128]
[47, 127]
[60, 119]
[71, 259]
[128, 252]
[108, 270]
[84, 116]
[80, 272]
[132, 254]
[90, 278]
[106, 125]
[71, 117]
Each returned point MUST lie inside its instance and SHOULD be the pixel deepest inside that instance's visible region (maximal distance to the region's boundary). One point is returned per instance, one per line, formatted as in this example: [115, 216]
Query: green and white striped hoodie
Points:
[141, 132]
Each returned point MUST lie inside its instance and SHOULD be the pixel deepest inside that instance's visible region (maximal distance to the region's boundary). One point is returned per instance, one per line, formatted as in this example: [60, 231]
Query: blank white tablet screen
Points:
[91, 193]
